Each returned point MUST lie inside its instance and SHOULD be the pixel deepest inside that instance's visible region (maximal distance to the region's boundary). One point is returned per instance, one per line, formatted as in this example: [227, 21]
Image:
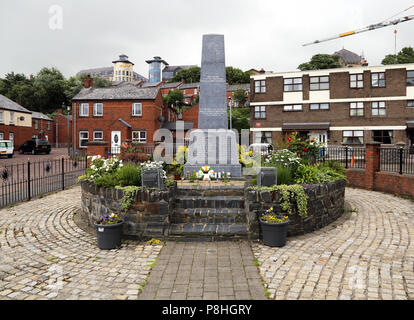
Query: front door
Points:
[115, 142]
[321, 137]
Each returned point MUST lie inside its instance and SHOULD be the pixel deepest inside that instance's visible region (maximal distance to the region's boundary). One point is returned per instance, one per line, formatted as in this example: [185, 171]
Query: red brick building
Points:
[104, 118]
[350, 106]
[62, 128]
[42, 127]
[15, 122]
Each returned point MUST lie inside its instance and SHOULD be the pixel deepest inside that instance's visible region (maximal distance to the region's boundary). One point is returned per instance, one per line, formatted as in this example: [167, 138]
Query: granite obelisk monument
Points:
[212, 143]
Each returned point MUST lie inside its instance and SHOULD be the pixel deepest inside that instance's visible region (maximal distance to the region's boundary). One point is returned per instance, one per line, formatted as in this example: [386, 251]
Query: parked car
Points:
[35, 146]
[6, 148]
[263, 148]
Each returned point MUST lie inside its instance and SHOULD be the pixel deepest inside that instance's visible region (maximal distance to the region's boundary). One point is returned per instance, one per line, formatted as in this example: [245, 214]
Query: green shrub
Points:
[307, 174]
[253, 181]
[129, 175]
[109, 180]
[284, 175]
[334, 165]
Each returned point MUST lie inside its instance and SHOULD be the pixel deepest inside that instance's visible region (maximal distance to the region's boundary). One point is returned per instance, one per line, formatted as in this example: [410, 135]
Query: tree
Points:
[176, 98]
[189, 75]
[237, 76]
[240, 118]
[321, 61]
[240, 96]
[406, 55]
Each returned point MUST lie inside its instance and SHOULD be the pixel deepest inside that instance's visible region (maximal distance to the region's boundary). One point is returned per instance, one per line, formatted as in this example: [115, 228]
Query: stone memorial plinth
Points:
[152, 178]
[212, 143]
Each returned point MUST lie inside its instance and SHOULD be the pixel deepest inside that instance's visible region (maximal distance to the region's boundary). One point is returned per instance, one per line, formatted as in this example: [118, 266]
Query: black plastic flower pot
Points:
[109, 235]
[274, 234]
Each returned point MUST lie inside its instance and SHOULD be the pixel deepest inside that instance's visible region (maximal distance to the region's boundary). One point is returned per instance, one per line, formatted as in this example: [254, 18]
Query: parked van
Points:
[6, 148]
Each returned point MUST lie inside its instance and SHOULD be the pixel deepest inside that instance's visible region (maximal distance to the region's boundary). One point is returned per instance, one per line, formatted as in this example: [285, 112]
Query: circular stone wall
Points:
[325, 205]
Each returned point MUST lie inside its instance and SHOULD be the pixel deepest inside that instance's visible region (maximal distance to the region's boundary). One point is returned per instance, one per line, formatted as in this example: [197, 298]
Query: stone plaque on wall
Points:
[267, 177]
[152, 178]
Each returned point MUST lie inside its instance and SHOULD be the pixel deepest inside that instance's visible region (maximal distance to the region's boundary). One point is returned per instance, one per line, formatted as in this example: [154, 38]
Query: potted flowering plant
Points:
[274, 228]
[109, 231]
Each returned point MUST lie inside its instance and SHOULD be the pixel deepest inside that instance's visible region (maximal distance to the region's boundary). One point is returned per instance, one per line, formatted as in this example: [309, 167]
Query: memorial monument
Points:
[213, 144]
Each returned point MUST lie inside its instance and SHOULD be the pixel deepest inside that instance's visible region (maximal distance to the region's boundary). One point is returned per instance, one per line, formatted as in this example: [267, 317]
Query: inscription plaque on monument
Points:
[267, 177]
[212, 143]
[152, 178]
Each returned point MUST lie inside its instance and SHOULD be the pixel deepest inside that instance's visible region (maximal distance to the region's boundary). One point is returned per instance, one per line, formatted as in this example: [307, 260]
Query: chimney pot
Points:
[88, 82]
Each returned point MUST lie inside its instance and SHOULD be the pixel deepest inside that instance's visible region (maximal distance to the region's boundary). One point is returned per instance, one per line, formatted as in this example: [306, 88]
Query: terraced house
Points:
[349, 106]
[15, 122]
[103, 118]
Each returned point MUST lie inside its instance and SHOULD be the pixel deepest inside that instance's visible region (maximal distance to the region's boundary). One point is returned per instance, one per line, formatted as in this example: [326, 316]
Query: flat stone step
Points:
[209, 215]
[191, 202]
[209, 230]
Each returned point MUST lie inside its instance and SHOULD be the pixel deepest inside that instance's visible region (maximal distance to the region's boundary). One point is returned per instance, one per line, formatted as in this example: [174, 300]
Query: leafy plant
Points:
[193, 176]
[270, 216]
[129, 197]
[129, 175]
[306, 174]
[284, 175]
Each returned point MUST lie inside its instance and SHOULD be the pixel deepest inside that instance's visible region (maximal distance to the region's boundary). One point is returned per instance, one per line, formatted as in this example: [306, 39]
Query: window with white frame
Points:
[36, 124]
[11, 118]
[293, 107]
[319, 83]
[319, 106]
[356, 109]
[260, 112]
[83, 139]
[137, 109]
[84, 110]
[1, 117]
[378, 79]
[1, 135]
[98, 109]
[48, 125]
[378, 108]
[97, 135]
[356, 81]
[292, 84]
[353, 137]
[139, 136]
[195, 91]
[410, 78]
[410, 104]
[262, 137]
[260, 86]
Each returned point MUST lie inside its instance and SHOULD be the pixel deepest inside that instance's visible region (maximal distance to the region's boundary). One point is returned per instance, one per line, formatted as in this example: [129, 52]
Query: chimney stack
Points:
[60, 111]
[88, 82]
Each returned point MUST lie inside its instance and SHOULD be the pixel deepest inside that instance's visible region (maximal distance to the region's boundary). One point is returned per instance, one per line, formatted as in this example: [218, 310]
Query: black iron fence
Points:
[398, 160]
[22, 181]
[349, 157]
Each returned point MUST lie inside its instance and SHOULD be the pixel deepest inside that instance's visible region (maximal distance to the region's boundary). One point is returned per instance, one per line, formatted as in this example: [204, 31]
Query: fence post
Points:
[401, 160]
[346, 157]
[28, 180]
[63, 173]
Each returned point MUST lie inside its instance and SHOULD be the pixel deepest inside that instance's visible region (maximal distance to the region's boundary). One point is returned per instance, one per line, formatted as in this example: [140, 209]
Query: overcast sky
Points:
[258, 33]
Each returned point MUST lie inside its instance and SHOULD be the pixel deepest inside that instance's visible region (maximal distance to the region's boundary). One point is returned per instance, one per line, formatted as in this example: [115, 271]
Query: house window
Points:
[48, 125]
[36, 124]
[410, 78]
[353, 136]
[98, 109]
[83, 139]
[294, 107]
[11, 137]
[410, 104]
[1, 135]
[260, 112]
[319, 106]
[1, 117]
[195, 91]
[378, 108]
[383, 136]
[262, 137]
[292, 84]
[378, 79]
[84, 110]
[139, 136]
[11, 117]
[319, 83]
[356, 109]
[260, 86]
[356, 81]
[97, 135]
[136, 109]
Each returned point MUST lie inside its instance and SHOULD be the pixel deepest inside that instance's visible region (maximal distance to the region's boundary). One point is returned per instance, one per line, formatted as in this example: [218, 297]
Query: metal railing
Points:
[398, 160]
[23, 181]
[349, 157]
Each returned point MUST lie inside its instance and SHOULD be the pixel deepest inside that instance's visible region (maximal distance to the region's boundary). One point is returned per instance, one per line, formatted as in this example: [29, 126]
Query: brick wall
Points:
[63, 135]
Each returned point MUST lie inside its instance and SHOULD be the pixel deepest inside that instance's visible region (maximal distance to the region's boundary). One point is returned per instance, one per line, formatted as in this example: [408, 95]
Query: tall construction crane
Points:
[369, 28]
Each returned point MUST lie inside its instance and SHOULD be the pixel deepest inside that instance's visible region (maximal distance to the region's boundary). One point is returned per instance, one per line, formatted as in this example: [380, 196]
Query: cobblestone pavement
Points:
[204, 270]
[366, 254]
[44, 255]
